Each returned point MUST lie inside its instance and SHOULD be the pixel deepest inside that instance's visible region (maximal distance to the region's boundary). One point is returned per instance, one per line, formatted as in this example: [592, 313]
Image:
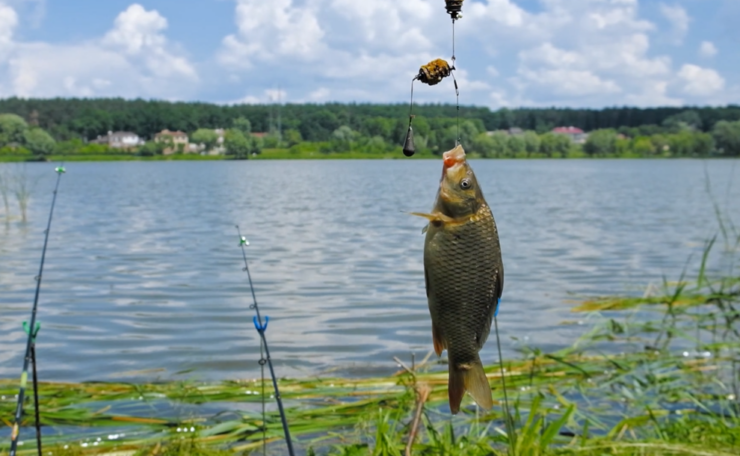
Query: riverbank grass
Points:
[657, 374]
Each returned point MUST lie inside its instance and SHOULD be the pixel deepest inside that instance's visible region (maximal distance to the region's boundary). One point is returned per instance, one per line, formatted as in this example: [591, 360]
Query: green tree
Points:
[601, 143]
[342, 139]
[243, 125]
[208, 138]
[703, 144]
[681, 144]
[687, 120]
[152, 148]
[292, 137]
[643, 146]
[483, 145]
[379, 126]
[39, 142]
[727, 136]
[467, 132]
[517, 147]
[237, 144]
[499, 145]
[255, 145]
[553, 145]
[531, 142]
[378, 145]
[12, 129]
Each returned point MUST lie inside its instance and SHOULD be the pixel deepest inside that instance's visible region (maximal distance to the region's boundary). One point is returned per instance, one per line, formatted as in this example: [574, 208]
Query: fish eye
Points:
[466, 184]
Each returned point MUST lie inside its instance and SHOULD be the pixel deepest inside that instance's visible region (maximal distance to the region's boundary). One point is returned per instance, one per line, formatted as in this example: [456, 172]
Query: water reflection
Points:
[144, 270]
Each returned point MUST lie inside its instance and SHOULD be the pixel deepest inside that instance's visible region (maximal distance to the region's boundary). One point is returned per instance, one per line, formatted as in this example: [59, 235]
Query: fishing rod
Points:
[32, 330]
[261, 328]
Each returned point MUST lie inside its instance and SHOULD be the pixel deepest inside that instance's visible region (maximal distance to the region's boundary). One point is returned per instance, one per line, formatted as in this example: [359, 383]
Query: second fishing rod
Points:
[261, 327]
[32, 328]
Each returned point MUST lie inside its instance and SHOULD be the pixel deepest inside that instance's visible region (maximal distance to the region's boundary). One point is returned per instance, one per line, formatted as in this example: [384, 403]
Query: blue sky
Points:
[578, 53]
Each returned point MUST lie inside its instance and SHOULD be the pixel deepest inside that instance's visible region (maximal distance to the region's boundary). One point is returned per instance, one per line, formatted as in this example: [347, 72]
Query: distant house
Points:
[575, 134]
[178, 139]
[119, 140]
[260, 135]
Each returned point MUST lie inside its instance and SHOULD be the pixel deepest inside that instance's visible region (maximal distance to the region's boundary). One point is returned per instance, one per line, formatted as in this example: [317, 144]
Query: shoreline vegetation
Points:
[117, 129]
[657, 374]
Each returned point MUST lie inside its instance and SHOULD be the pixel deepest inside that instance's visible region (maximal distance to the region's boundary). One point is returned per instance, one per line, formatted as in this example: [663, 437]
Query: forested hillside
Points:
[377, 130]
[87, 118]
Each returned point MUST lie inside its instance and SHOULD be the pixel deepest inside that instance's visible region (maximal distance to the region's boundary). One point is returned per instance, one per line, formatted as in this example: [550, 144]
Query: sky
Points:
[510, 53]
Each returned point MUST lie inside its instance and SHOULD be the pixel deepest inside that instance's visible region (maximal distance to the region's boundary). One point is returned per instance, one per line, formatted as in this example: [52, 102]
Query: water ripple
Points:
[144, 271]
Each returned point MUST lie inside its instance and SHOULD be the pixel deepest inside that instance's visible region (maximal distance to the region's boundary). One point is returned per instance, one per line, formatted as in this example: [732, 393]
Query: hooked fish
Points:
[464, 277]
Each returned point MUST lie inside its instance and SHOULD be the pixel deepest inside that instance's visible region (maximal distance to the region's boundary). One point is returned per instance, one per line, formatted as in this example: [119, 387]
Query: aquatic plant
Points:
[656, 374]
[5, 188]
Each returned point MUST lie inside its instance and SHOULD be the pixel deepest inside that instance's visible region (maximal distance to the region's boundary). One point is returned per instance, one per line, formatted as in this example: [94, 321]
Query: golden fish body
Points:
[464, 277]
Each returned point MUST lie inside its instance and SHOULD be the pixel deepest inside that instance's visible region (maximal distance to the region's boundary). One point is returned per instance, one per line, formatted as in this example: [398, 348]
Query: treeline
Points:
[679, 140]
[87, 118]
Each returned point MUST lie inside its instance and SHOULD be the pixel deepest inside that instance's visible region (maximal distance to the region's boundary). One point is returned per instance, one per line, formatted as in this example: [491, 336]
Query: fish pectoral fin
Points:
[472, 378]
[437, 217]
[430, 217]
[425, 229]
[439, 342]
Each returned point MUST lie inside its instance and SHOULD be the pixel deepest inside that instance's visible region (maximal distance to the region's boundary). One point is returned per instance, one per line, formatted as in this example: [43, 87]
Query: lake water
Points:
[144, 277]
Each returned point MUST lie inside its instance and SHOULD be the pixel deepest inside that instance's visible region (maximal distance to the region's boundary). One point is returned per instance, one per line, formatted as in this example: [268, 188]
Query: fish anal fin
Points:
[438, 338]
[472, 378]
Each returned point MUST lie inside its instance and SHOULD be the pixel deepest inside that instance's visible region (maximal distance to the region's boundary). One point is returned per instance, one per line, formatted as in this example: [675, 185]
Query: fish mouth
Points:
[453, 157]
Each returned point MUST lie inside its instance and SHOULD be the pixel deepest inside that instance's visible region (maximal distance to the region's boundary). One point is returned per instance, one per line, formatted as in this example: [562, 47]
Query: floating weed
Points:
[673, 390]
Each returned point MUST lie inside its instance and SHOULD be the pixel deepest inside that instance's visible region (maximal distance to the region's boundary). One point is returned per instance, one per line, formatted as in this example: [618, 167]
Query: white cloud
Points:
[591, 50]
[133, 59]
[352, 47]
[137, 29]
[8, 23]
[700, 81]
[707, 49]
[510, 53]
[320, 94]
[138, 33]
[576, 52]
[679, 19]
[271, 30]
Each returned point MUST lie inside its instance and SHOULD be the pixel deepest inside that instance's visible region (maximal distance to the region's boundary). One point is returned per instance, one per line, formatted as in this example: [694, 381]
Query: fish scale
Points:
[462, 275]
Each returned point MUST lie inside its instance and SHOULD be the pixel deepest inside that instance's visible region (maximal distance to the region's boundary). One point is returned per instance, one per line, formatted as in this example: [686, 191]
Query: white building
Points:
[120, 140]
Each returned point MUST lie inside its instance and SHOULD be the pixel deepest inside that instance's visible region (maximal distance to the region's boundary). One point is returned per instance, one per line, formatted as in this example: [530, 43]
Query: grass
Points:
[673, 390]
[653, 375]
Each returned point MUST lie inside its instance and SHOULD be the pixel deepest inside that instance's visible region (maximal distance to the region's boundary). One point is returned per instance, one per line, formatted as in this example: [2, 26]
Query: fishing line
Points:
[265, 359]
[457, 89]
[32, 329]
[507, 415]
[431, 74]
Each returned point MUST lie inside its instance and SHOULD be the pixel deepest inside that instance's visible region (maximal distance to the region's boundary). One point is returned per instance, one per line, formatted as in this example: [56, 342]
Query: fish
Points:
[464, 277]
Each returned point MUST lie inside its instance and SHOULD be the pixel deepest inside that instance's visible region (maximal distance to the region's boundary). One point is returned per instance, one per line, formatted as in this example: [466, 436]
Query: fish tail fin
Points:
[469, 377]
